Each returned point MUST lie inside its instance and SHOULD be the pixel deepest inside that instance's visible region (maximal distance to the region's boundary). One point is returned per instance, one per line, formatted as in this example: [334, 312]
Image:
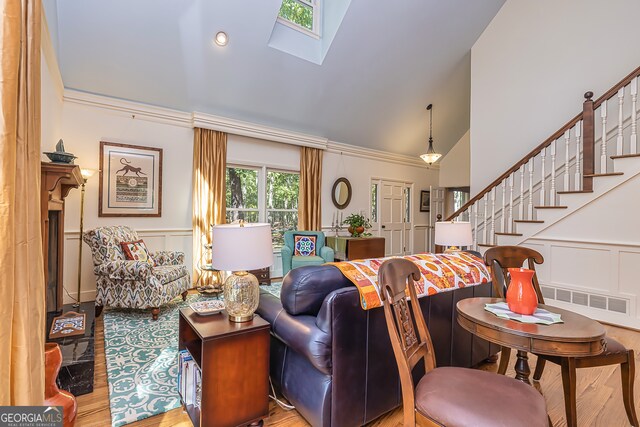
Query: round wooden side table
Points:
[578, 336]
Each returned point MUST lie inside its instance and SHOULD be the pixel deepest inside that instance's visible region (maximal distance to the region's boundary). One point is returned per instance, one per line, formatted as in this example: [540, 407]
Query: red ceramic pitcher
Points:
[521, 297]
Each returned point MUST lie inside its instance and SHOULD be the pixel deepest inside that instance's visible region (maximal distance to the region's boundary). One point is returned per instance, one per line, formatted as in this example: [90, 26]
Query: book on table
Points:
[189, 379]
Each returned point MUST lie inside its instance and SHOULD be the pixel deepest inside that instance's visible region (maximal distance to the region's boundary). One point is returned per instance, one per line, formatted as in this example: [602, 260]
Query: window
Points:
[301, 15]
[460, 198]
[242, 194]
[282, 203]
[374, 203]
[407, 204]
[258, 194]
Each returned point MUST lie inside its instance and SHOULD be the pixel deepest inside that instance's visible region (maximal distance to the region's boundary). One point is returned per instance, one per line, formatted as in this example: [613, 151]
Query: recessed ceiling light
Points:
[221, 38]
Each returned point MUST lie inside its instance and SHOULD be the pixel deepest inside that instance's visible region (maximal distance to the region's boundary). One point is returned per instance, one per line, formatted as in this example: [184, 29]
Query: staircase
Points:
[594, 153]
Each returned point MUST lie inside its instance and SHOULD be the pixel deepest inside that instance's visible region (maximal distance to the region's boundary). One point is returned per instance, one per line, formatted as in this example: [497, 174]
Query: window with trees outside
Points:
[301, 15]
[259, 194]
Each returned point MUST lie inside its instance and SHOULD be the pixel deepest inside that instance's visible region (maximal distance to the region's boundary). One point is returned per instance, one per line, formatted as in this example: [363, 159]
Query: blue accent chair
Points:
[289, 261]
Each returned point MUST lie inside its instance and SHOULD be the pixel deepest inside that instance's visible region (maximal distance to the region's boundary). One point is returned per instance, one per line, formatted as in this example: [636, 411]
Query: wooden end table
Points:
[577, 336]
[234, 362]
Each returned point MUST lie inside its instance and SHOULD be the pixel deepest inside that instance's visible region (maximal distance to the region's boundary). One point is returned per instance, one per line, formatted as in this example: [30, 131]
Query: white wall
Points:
[596, 251]
[455, 167]
[84, 125]
[531, 67]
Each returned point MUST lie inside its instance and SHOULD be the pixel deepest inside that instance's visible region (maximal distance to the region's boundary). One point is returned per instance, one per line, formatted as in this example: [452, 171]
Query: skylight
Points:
[301, 15]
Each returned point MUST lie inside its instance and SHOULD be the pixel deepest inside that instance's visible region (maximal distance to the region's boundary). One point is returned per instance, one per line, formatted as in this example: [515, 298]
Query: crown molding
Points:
[238, 127]
[130, 108]
[368, 153]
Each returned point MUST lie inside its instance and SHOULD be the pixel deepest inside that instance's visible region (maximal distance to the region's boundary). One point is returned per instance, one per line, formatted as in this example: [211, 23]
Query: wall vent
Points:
[579, 298]
[548, 293]
[563, 295]
[617, 305]
[597, 301]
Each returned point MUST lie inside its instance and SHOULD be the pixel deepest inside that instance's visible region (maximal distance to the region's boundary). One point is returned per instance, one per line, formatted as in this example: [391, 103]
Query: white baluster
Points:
[504, 206]
[531, 188]
[484, 220]
[634, 116]
[511, 203]
[493, 216]
[521, 206]
[552, 191]
[578, 174]
[567, 137]
[619, 140]
[475, 225]
[543, 155]
[603, 152]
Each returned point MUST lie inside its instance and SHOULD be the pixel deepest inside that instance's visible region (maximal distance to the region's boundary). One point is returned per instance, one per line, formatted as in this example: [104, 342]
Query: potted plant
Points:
[358, 224]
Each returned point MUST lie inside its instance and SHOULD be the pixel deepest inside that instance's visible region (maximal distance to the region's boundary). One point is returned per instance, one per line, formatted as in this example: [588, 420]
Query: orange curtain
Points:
[209, 189]
[22, 296]
[309, 207]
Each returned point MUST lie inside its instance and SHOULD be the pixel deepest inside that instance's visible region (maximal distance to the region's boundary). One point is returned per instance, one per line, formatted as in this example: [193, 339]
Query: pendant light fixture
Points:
[430, 156]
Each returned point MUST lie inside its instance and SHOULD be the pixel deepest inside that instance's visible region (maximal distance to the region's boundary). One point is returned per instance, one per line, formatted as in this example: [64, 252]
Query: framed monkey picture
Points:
[130, 180]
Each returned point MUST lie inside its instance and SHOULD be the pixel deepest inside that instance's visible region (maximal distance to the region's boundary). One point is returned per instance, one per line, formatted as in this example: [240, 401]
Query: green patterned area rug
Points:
[142, 360]
[142, 367]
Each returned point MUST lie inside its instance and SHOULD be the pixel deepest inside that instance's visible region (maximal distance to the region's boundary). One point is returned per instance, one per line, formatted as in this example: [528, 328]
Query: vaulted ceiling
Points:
[388, 60]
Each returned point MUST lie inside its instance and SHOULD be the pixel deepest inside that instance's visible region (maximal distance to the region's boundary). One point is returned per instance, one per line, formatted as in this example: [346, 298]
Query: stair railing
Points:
[571, 155]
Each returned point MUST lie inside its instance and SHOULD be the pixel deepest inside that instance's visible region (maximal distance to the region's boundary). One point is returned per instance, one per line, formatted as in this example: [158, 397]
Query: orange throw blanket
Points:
[438, 272]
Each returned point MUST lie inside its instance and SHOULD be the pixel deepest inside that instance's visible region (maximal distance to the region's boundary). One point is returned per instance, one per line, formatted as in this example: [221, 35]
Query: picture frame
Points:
[130, 181]
[425, 201]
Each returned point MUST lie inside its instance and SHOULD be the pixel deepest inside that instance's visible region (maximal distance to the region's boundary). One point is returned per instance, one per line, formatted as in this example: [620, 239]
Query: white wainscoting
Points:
[597, 279]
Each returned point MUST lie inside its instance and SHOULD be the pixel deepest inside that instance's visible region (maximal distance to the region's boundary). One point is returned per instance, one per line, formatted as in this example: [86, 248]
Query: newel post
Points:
[588, 142]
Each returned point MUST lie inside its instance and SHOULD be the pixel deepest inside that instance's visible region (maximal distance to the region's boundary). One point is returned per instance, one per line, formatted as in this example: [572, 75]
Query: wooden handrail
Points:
[588, 141]
[517, 166]
[611, 92]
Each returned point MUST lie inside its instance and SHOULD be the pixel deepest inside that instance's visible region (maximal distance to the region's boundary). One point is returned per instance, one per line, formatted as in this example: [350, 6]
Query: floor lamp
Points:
[86, 174]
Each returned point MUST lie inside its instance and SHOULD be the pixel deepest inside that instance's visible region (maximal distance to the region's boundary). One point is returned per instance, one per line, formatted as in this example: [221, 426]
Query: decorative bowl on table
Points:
[60, 157]
[205, 308]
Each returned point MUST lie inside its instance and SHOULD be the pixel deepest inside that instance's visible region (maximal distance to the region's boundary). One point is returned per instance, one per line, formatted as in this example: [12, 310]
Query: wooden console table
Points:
[350, 248]
[234, 362]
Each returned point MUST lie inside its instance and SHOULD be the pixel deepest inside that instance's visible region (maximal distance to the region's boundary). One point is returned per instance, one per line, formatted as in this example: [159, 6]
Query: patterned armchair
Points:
[134, 284]
[290, 260]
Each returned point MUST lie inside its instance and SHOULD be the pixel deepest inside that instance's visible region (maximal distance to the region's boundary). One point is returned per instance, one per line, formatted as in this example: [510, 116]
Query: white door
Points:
[436, 207]
[392, 217]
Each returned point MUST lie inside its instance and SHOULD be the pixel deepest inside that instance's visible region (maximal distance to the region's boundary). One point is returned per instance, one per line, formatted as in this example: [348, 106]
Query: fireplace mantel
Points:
[57, 180]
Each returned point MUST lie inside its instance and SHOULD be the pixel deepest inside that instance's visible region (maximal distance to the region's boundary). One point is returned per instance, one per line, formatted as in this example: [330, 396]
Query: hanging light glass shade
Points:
[430, 156]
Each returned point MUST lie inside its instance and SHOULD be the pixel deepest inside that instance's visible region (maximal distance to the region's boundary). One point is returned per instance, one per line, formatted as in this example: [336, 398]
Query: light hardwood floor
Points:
[598, 391]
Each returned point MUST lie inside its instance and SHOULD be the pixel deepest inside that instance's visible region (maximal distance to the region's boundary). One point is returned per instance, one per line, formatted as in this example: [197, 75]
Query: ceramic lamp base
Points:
[241, 296]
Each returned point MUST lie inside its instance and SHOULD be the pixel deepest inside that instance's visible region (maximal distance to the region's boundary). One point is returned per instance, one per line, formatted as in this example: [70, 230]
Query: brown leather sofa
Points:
[334, 361]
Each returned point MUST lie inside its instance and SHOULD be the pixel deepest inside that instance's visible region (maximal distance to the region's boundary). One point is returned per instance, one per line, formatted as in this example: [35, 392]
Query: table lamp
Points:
[238, 248]
[453, 234]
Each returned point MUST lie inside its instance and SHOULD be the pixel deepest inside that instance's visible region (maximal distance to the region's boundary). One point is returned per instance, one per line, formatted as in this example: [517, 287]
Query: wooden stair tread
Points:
[597, 175]
[575, 192]
[550, 207]
[529, 221]
[625, 156]
[508, 234]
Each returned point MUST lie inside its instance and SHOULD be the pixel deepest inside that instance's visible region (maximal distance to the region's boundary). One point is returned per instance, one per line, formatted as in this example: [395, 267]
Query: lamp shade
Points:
[449, 233]
[241, 247]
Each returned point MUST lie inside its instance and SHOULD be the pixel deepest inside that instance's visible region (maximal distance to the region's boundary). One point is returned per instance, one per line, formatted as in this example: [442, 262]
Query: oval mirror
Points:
[341, 193]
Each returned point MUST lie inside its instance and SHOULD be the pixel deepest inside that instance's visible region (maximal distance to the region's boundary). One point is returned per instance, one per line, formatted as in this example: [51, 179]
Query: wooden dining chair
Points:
[446, 396]
[501, 258]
